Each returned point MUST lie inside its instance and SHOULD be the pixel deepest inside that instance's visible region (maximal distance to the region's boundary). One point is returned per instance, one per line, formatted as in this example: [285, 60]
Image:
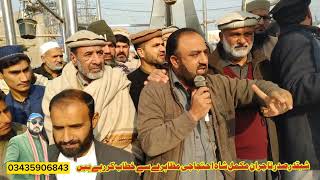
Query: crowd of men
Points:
[254, 98]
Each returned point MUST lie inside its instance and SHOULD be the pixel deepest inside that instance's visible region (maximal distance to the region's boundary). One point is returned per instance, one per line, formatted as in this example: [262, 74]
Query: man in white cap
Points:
[52, 58]
[255, 135]
[108, 86]
[263, 39]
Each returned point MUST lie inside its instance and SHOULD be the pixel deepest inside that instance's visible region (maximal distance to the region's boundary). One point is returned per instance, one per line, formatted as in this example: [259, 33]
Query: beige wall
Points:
[32, 44]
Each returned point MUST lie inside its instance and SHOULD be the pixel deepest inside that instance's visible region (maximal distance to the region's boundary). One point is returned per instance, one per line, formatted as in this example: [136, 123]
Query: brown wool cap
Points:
[144, 36]
[101, 28]
[85, 38]
[258, 4]
[237, 19]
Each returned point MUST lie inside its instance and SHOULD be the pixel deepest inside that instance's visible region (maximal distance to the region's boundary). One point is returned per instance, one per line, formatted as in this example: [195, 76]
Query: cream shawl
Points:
[117, 123]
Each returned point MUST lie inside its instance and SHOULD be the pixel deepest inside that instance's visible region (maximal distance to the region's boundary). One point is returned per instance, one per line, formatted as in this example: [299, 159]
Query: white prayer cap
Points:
[47, 46]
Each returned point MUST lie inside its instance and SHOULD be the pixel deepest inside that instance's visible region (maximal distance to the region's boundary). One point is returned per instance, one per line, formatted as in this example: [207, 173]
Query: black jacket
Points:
[295, 61]
[42, 71]
[105, 154]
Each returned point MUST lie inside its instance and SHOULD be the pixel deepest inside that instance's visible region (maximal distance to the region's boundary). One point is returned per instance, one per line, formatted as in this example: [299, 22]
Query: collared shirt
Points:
[32, 104]
[240, 71]
[89, 159]
[200, 145]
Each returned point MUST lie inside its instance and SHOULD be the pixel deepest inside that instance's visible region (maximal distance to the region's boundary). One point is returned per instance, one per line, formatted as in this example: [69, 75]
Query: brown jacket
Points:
[163, 124]
[261, 70]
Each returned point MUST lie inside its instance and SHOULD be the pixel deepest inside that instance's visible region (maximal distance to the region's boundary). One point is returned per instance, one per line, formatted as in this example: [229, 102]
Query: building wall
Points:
[31, 44]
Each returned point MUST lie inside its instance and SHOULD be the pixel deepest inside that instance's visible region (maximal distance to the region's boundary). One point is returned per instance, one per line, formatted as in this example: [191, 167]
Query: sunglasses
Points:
[35, 121]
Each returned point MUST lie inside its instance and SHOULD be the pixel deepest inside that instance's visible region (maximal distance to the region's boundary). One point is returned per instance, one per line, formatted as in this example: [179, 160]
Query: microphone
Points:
[200, 81]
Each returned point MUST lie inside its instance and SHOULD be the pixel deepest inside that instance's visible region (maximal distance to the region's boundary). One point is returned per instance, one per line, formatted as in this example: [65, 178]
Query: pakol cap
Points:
[85, 38]
[145, 36]
[237, 19]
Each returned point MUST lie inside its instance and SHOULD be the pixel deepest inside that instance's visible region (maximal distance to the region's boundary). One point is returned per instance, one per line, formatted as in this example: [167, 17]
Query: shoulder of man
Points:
[53, 153]
[37, 92]
[156, 86]
[295, 34]
[131, 76]
[115, 72]
[19, 128]
[39, 88]
[106, 153]
[19, 138]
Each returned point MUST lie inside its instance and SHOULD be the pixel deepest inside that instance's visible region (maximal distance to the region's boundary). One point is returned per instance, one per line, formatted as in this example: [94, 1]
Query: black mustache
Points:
[202, 66]
[70, 142]
[241, 46]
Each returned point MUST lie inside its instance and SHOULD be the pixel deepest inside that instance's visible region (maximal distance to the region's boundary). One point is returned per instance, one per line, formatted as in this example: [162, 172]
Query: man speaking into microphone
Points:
[188, 119]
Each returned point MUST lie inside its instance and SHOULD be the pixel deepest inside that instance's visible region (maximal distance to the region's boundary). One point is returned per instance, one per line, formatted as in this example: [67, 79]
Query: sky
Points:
[139, 11]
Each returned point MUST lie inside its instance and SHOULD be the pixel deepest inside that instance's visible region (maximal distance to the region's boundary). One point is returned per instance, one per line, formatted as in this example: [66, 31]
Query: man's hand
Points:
[200, 103]
[158, 75]
[277, 103]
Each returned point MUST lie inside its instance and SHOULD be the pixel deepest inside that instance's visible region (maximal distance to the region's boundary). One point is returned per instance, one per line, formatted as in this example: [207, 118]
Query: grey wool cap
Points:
[85, 38]
[258, 4]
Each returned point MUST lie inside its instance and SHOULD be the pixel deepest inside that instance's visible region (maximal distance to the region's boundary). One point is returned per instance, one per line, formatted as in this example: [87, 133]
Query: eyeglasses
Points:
[35, 121]
[265, 18]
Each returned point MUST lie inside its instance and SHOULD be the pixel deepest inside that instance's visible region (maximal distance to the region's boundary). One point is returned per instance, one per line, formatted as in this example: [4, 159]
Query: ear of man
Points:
[95, 119]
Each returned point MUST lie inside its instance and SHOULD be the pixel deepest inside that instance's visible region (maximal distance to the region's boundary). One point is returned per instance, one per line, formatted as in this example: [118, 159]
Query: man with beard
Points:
[122, 45]
[73, 120]
[255, 136]
[262, 38]
[24, 98]
[8, 129]
[150, 48]
[52, 57]
[109, 50]
[108, 86]
[123, 59]
[29, 147]
[184, 124]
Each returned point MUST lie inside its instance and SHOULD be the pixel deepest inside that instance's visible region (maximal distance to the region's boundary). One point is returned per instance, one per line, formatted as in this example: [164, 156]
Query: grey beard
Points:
[55, 68]
[235, 53]
[91, 76]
